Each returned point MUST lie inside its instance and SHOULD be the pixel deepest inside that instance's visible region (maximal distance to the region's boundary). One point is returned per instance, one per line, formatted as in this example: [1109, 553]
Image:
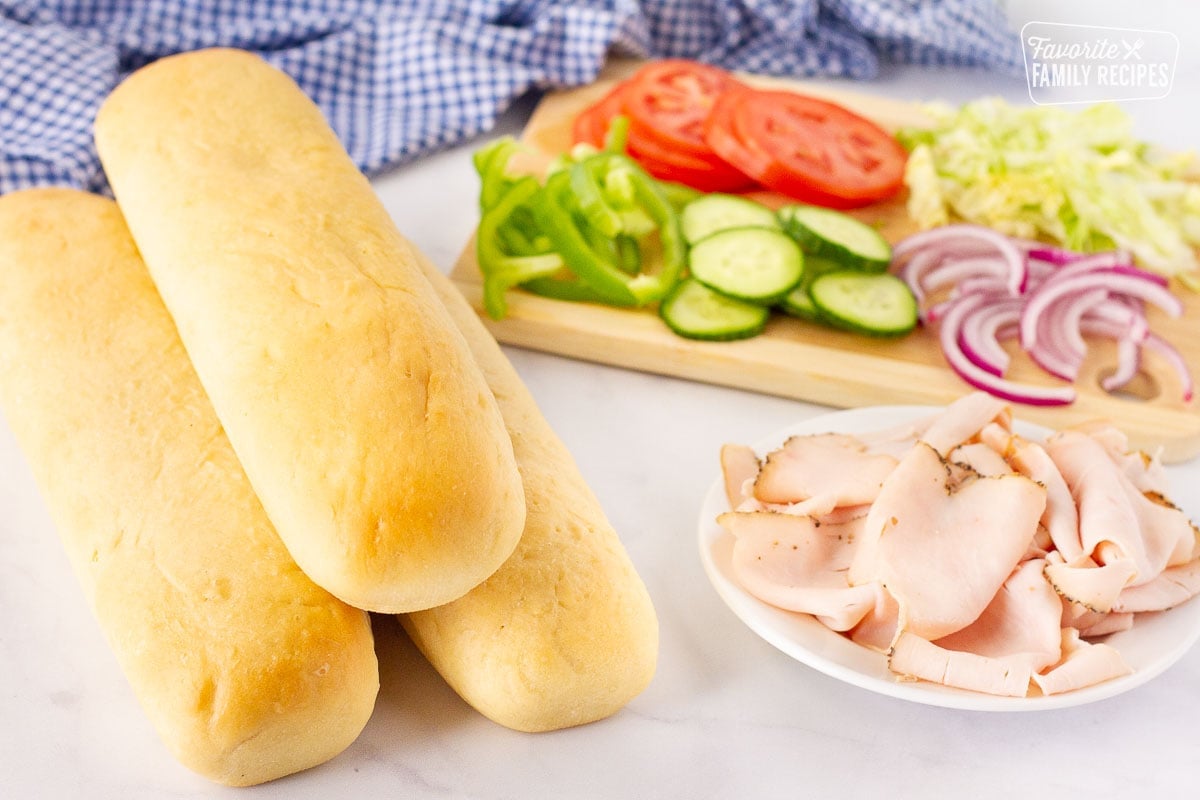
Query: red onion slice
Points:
[979, 336]
[1061, 257]
[1060, 348]
[950, 240]
[1129, 361]
[1113, 280]
[982, 379]
[1175, 359]
[1129, 351]
[1048, 297]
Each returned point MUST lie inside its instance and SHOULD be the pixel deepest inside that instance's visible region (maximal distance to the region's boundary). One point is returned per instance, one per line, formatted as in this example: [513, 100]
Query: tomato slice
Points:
[671, 99]
[805, 148]
[816, 151]
[696, 166]
[720, 132]
[708, 173]
[591, 125]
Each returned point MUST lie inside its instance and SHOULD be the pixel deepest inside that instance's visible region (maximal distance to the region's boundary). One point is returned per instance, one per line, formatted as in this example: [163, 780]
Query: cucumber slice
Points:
[877, 304]
[718, 212]
[695, 311]
[757, 265]
[836, 236]
[797, 302]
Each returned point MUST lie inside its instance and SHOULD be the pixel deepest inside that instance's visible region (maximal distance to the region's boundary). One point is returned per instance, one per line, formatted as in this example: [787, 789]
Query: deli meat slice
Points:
[979, 458]
[1017, 635]
[965, 553]
[1083, 664]
[963, 420]
[1167, 590]
[739, 465]
[1061, 518]
[1022, 620]
[1113, 511]
[834, 467]
[944, 550]
[1089, 584]
[799, 564]
[1113, 622]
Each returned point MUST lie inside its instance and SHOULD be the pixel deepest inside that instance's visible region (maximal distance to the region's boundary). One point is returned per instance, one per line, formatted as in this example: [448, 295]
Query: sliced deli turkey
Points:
[982, 559]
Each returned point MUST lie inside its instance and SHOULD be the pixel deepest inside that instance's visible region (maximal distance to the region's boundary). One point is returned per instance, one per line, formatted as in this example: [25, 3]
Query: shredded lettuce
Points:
[1079, 178]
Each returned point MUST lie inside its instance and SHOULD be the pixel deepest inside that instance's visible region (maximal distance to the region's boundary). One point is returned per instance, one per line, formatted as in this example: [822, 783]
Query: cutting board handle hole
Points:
[1142, 389]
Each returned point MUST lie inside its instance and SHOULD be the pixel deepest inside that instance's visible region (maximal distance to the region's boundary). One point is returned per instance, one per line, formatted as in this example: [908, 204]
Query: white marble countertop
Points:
[726, 716]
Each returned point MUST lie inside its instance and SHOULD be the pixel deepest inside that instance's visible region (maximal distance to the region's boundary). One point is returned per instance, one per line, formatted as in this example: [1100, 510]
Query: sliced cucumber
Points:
[797, 302]
[695, 311]
[758, 265]
[711, 213]
[875, 304]
[836, 236]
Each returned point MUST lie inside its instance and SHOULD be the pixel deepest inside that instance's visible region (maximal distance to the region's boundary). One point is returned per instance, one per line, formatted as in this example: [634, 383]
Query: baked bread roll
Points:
[350, 398]
[247, 669]
[564, 633]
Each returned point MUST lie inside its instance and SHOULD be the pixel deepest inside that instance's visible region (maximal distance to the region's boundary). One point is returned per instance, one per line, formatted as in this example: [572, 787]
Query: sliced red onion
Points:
[981, 284]
[1104, 327]
[1048, 297]
[1105, 262]
[980, 378]
[1129, 351]
[1061, 257]
[1126, 312]
[952, 272]
[946, 239]
[979, 336]
[913, 272]
[1129, 361]
[1072, 312]
[1060, 348]
[1038, 271]
[1114, 280]
[1175, 359]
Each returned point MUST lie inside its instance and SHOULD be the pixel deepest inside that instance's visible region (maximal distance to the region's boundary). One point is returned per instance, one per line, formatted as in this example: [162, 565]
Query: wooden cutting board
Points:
[808, 362]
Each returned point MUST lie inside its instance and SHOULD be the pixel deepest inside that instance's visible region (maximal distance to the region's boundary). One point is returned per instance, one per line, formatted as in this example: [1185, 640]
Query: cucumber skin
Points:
[761, 216]
[834, 320]
[814, 267]
[664, 310]
[764, 301]
[809, 313]
[811, 242]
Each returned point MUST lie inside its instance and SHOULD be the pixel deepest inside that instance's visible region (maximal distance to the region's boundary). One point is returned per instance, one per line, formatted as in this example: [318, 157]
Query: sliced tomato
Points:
[816, 151]
[671, 99]
[721, 134]
[695, 166]
[708, 173]
[591, 125]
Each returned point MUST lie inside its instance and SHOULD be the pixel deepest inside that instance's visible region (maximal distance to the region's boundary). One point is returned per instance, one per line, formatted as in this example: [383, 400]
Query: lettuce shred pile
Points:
[1079, 178]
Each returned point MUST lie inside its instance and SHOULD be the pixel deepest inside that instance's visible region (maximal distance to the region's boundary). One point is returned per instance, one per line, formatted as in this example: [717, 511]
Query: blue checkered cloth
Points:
[401, 78]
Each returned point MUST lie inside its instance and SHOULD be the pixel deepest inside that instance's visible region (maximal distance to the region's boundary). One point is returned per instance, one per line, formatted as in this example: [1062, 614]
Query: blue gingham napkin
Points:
[400, 78]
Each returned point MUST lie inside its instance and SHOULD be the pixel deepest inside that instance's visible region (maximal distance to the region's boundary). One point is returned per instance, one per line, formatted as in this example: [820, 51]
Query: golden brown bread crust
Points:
[247, 669]
[564, 633]
[350, 398]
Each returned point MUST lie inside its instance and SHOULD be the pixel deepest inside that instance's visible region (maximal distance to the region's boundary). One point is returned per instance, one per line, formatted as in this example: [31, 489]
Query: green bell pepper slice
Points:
[565, 222]
[501, 269]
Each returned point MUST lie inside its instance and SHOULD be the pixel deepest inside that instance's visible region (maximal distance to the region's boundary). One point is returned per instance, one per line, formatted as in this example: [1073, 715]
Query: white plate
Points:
[1155, 642]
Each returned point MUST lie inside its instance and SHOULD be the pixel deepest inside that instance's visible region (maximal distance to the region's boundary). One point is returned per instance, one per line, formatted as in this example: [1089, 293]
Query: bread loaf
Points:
[564, 633]
[247, 670]
[349, 397]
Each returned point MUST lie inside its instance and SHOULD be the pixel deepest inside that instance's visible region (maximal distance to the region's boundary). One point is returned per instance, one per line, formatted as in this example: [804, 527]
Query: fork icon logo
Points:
[1066, 63]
